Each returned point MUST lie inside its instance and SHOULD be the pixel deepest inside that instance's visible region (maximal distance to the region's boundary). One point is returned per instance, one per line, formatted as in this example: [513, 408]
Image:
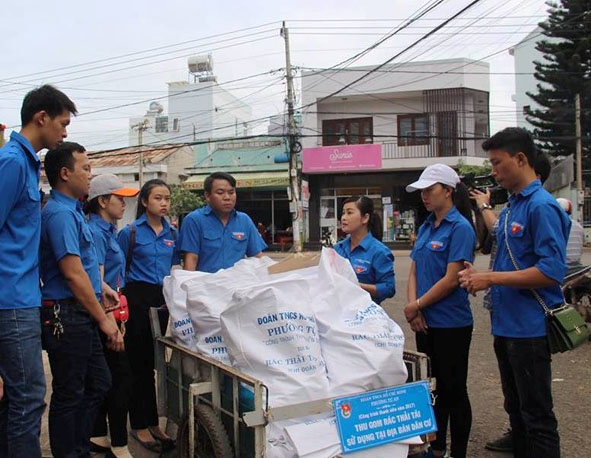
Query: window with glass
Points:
[413, 129]
[353, 131]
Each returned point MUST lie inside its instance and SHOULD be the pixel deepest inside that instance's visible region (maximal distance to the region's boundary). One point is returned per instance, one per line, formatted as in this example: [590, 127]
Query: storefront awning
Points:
[275, 179]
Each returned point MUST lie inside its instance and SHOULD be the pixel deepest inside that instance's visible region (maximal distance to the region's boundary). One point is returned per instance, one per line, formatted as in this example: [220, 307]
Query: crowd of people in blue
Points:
[90, 311]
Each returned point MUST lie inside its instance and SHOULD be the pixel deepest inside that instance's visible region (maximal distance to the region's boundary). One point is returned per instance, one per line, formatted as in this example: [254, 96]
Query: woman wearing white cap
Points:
[105, 206]
[438, 310]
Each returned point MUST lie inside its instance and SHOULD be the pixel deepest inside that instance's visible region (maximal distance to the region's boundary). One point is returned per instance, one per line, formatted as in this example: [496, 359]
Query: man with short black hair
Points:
[531, 236]
[71, 309]
[217, 236]
[45, 115]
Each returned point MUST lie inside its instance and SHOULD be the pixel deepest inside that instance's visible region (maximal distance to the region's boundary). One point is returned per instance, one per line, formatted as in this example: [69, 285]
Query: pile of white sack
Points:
[308, 333]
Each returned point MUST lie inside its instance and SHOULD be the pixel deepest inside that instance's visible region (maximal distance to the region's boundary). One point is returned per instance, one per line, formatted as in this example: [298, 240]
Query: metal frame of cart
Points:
[191, 382]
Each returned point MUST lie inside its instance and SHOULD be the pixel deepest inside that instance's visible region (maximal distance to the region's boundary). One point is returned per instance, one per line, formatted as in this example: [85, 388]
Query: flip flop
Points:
[153, 446]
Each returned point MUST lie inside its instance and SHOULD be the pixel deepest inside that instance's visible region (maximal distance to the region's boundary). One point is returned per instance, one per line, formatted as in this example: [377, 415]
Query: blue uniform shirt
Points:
[108, 252]
[64, 231]
[219, 246]
[436, 247]
[20, 224]
[538, 231]
[153, 255]
[373, 262]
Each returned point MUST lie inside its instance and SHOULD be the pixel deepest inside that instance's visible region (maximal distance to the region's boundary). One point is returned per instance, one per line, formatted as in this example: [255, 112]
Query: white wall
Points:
[524, 54]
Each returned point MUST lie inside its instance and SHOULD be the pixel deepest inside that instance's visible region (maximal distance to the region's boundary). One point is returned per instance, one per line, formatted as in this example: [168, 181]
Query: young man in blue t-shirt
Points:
[217, 236]
[45, 116]
[531, 254]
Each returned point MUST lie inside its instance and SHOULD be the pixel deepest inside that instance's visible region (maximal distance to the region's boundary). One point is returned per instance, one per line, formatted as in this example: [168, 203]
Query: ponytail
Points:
[461, 199]
[375, 225]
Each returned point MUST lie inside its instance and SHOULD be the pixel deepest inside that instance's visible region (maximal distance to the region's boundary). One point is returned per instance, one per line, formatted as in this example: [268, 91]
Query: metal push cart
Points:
[220, 411]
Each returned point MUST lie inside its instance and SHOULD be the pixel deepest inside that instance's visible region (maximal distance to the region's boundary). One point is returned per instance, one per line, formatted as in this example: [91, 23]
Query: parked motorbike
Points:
[577, 290]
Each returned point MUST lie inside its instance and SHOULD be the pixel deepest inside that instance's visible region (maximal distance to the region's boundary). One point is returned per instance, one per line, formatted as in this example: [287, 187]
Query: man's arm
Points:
[13, 179]
[79, 283]
[190, 261]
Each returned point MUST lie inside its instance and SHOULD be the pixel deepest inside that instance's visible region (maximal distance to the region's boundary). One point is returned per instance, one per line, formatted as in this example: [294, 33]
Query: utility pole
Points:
[294, 147]
[579, 158]
[141, 126]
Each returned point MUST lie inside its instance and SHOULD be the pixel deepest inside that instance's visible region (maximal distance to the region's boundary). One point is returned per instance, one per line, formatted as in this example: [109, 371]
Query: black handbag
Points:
[565, 327]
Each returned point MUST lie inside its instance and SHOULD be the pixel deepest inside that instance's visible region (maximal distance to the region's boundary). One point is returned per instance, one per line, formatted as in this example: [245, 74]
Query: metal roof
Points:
[130, 156]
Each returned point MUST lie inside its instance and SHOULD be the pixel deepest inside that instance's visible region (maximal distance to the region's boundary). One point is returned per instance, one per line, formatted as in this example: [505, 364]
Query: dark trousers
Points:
[526, 378]
[139, 343]
[116, 406]
[449, 349]
[81, 380]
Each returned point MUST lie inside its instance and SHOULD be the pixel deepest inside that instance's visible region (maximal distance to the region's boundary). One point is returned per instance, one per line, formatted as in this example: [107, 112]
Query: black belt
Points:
[67, 301]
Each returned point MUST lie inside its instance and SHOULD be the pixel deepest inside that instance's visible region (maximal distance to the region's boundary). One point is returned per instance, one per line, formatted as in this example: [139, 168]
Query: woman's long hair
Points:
[461, 200]
[365, 206]
[145, 194]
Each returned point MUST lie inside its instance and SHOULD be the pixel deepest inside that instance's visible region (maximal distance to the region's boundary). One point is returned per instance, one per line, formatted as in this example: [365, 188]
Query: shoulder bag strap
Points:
[547, 311]
[129, 255]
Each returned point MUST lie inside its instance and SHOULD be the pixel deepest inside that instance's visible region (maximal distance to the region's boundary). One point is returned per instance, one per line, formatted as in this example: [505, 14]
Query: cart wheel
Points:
[211, 438]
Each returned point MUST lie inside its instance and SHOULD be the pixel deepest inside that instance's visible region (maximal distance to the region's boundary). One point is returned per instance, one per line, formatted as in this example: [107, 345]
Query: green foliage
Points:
[183, 201]
[477, 170]
[564, 71]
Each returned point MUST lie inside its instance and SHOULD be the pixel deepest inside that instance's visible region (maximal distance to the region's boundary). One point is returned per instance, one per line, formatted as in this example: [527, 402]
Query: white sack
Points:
[271, 334]
[209, 294]
[361, 344]
[180, 325]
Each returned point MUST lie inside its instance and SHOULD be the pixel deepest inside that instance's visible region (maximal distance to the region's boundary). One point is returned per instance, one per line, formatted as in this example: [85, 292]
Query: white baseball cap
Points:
[566, 204]
[108, 183]
[436, 173]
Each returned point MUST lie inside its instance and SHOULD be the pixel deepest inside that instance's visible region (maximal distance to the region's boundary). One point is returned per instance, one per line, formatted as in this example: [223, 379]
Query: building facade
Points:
[378, 134]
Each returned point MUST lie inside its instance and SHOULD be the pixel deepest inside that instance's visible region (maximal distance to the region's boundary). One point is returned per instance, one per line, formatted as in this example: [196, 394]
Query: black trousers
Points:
[116, 406]
[448, 349]
[139, 344]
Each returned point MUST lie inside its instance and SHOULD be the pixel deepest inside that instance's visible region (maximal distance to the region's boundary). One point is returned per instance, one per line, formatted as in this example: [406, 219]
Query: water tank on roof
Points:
[200, 64]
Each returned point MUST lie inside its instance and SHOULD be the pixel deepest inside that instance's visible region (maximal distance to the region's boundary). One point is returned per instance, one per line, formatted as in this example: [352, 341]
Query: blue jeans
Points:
[81, 380]
[526, 378]
[21, 367]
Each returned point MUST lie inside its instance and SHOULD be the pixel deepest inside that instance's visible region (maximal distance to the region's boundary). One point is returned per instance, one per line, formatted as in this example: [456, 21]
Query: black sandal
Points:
[153, 446]
[168, 443]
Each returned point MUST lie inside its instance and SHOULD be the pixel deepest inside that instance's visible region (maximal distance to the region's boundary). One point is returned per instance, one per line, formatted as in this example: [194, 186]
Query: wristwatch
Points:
[485, 206]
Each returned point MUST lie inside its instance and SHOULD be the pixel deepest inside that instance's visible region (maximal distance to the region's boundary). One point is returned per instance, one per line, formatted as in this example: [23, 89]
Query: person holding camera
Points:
[105, 206]
[531, 254]
[542, 167]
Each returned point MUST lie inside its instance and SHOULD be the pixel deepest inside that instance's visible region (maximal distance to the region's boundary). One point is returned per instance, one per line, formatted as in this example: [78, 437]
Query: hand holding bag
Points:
[565, 328]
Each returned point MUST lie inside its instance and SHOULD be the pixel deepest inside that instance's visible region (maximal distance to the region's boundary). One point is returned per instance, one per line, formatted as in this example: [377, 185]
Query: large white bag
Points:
[361, 344]
[271, 334]
[176, 301]
[208, 295]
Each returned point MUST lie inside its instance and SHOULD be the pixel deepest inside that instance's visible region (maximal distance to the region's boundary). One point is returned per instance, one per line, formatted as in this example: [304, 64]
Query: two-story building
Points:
[376, 136]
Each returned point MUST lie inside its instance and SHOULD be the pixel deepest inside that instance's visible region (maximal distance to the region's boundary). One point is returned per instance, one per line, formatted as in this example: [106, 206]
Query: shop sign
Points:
[342, 158]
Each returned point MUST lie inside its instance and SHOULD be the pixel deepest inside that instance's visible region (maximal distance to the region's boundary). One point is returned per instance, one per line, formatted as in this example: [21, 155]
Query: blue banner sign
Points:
[389, 415]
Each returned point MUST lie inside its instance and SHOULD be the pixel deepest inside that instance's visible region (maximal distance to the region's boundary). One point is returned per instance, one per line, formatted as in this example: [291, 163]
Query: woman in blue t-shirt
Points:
[150, 245]
[438, 310]
[105, 206]
[372, 261]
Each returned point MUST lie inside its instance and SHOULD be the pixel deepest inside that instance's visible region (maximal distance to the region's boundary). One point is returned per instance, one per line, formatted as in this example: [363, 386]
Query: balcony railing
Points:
[391, 150]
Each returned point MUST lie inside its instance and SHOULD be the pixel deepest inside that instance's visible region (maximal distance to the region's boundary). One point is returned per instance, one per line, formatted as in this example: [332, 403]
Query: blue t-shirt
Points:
[537, 230]
[64, 232]
[20, 224]
[108, 251]
[219, 246]
[436, 247]
[373, 262]
[153, 255]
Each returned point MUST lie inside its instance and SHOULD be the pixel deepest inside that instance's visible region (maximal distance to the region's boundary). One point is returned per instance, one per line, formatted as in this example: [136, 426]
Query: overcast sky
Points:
[113, 57]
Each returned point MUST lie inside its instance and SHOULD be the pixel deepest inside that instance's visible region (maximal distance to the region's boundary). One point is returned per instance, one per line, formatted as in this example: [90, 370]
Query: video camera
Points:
[498, 195]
